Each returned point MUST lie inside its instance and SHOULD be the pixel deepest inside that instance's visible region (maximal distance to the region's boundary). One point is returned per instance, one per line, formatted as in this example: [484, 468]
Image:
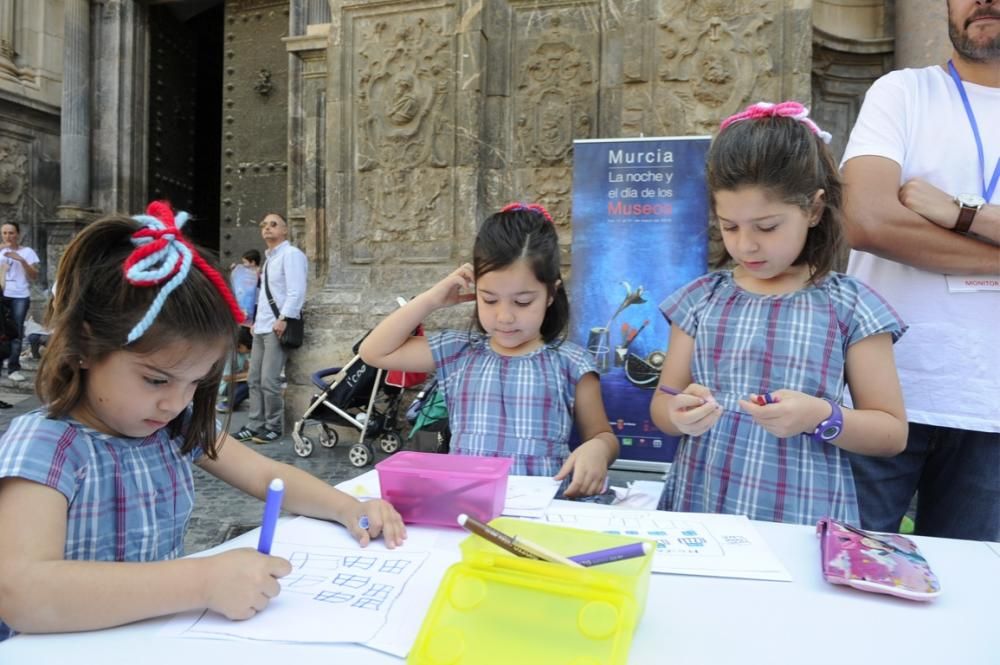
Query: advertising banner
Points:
[640, 227]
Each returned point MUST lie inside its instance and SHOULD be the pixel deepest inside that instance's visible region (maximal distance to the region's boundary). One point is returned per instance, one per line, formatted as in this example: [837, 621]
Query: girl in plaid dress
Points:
[514, 386]
[97, 487]
[760, 352]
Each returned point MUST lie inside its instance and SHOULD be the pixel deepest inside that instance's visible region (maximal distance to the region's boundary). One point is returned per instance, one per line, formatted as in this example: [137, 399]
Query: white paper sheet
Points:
[687, 543]
[337, 591]
[529, 496]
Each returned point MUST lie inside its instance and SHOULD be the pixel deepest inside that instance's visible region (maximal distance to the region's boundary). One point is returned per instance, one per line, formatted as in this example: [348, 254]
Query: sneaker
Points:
[222, 407]
[267, 436]
[5, 405]
[17, 376]
[244, 434]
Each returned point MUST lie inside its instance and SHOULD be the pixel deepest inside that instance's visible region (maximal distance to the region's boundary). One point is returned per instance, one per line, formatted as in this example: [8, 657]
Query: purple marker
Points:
[669, 390]
[612, 554]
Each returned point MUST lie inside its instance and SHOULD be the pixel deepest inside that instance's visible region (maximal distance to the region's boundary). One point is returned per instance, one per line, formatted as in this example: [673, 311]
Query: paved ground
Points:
[222, 512]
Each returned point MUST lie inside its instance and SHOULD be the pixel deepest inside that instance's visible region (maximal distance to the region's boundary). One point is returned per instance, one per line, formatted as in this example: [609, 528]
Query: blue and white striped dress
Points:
[750, 343]
[510, 406]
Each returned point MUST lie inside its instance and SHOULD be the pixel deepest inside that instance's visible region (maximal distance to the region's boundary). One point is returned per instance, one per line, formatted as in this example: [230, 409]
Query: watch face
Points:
[829, 432]
[970, 200]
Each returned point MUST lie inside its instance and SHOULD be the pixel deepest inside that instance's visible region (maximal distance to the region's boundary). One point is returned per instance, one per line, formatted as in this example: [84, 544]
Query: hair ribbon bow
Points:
[162, 255]
[790, 109]
[533, 207]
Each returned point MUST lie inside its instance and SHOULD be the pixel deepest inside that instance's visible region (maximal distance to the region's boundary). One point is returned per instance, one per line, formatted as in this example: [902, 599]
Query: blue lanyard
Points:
[987, 191]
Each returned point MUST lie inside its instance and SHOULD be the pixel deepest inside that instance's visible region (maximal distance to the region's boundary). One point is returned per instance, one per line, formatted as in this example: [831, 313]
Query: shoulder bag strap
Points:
[267, 292]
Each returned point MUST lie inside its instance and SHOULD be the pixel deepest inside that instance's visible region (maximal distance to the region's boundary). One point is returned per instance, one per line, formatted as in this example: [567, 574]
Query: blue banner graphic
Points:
[640, 225]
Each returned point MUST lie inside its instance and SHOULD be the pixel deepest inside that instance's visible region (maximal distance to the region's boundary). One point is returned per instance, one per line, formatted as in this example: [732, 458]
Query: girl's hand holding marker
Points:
[694, 411]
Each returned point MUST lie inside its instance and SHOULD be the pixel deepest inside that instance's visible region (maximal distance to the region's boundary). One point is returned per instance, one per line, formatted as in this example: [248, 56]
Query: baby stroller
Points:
[360, 396]
[428, 413]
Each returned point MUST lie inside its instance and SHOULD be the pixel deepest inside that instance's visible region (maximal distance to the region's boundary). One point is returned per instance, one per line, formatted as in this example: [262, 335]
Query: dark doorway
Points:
[185, 114]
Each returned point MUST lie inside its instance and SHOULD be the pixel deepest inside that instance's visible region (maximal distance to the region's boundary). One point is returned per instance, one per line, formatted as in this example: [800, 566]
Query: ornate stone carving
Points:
[555, 93]
[263, 86]
[553, 188]
[715, 55]
[404, 132]
[13, 179]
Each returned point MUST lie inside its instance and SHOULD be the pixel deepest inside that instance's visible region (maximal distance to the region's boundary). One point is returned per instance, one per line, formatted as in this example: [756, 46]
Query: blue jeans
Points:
[18, 308]
[955, 473]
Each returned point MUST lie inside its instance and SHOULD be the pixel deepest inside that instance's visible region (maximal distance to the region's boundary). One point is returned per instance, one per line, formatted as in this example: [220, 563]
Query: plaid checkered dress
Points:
[129, 499]
[509, 406]
[749, 343]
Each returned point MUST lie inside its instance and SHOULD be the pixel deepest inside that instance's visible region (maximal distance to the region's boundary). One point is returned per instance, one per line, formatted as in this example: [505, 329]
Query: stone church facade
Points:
[387, 129]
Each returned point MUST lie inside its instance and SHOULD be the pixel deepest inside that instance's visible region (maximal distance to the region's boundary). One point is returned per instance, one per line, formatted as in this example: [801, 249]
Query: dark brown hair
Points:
[783, 156]
[94, 309]
[506, 237]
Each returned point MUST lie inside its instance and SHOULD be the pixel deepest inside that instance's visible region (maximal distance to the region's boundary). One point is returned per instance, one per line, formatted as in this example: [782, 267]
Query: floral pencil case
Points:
[876, 562]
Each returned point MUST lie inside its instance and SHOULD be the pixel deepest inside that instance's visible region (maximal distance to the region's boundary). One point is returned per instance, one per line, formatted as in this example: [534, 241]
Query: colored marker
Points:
[630, 551]
[765, 399]
[513, 544]
[674, 391]
[363, 522]
[272, 509]
[544, 553]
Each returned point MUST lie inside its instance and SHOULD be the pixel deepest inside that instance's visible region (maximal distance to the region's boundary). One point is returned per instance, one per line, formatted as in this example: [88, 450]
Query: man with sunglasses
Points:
[283, 278]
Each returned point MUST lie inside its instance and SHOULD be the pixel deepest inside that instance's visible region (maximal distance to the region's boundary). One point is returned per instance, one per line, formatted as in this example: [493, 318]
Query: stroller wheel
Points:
[359, 455]
[303, 446]
[328, 436]
[390, 442]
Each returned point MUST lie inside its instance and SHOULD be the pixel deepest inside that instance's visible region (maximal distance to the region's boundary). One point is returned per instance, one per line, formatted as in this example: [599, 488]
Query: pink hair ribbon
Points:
[163, 256]
[792, 110]
[533, 207]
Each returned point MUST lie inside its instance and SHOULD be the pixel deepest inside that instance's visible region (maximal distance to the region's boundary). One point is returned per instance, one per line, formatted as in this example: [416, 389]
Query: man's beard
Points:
[969, 49]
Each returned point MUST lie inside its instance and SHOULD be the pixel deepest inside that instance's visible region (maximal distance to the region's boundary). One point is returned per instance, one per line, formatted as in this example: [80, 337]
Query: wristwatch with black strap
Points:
[968, 206]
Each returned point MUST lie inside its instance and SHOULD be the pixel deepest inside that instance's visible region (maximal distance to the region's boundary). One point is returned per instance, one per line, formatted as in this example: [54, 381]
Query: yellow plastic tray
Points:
[494, 607]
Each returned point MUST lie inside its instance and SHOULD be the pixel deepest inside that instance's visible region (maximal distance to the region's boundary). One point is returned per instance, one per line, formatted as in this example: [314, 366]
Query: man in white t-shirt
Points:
[20, 268]
[922, 212]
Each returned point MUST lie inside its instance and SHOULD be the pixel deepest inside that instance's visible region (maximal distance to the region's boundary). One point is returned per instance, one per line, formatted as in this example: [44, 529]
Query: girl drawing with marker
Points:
[96, 487]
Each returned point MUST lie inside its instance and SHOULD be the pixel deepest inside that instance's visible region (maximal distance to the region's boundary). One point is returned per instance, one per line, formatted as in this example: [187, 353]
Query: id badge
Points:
[972, 283]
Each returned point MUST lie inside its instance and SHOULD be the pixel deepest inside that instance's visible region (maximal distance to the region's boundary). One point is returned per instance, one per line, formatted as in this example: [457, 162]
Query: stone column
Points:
[7, 38]
[75, 122]
[921, 33]
[318, 12]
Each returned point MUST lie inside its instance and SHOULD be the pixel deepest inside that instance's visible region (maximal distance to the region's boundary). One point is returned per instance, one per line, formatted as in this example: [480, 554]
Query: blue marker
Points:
[363, 522]
[272, 508]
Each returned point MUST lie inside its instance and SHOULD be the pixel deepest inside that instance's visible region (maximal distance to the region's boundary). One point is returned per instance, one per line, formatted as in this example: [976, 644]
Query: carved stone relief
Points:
[404, 133]
[714, 56]
[555, 103]
[13, 179]
[555, 91]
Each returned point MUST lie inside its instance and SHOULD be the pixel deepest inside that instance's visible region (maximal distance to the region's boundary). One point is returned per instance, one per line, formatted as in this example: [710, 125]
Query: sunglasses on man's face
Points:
[266, 224]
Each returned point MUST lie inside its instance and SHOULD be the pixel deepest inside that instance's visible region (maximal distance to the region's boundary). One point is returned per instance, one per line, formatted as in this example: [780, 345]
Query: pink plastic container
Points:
[430, 488]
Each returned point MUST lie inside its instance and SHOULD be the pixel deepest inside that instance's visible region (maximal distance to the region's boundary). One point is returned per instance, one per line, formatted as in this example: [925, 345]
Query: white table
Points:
[687, 620]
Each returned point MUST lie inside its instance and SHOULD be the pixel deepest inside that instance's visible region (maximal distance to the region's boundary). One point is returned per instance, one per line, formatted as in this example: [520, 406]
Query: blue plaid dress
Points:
[750, 343]
[129, 499]
[509, 406]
